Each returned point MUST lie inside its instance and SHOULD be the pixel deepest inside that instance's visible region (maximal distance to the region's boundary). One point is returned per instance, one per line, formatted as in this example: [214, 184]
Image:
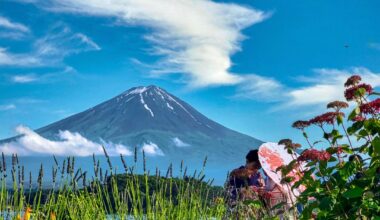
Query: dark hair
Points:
[253, 155]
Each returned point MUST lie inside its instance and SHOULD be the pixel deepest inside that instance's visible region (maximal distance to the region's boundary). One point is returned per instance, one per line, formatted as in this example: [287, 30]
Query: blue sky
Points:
[253, 66]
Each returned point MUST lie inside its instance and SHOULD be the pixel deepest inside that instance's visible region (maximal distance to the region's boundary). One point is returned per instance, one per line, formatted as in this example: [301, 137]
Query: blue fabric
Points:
[239, 182]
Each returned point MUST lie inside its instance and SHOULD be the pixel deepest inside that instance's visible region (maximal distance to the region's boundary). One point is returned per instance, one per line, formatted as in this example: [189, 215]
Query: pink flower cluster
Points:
[313, 154]
[352, 81]
[358, 118]
[328, 117]
[350, 92]
[372, 107]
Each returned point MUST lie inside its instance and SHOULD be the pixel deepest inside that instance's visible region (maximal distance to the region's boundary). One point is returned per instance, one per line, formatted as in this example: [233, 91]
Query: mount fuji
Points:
[157, 122]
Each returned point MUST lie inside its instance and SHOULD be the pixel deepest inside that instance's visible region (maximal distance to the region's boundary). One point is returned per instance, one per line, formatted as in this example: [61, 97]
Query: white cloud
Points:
[328, 85]
[152, 149]
[179, 143]
[324, 86]
[31, 143]
[196, 38]
[51, 49]
[259, 88]
[61, 42]
[6, 23]
[24, 78]
[9, 59]
[7, 107]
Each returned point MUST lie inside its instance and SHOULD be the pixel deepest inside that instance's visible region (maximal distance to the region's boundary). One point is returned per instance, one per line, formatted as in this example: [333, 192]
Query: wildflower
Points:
[358, 118]
[218, 200]
[27, 214]
[337, 105]
[324, 156]
[285, 142]
[328, 117]
[339, 149]
[313, 154]
[372, 107]
[352, 80]
[301, 124]
[350, 92]
[53, 216]
[296, 145]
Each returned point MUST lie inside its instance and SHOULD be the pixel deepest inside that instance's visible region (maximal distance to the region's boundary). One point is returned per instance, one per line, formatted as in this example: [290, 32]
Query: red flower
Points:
[371, 107]
[324, 156]
[301, 124]
[358, 118]
[339, 150]
[328, 117]
[337, 105]
[352, 81]
[350, 92]
[313, 154]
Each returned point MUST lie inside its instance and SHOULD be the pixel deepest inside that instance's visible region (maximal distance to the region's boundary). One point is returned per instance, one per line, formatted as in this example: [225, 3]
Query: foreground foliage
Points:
[342, 173]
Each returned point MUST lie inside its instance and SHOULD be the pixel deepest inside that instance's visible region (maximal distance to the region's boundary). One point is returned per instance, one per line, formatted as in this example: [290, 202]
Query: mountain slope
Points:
[150, 116]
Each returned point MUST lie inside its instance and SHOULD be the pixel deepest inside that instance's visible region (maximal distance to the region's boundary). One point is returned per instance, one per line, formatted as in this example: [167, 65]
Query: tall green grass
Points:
[107, 194]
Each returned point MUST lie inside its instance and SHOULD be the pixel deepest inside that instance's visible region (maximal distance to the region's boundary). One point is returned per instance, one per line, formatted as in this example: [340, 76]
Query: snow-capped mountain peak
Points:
[152, 117]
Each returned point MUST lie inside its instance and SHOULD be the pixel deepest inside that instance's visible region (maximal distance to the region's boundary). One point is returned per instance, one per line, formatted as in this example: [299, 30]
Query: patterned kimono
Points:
[242, 179]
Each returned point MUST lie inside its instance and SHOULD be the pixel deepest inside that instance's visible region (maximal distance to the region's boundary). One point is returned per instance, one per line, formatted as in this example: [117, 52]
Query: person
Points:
[246, 177]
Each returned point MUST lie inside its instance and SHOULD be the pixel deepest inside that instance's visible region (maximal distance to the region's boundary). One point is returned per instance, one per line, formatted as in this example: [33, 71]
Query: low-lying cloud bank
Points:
[73, 144]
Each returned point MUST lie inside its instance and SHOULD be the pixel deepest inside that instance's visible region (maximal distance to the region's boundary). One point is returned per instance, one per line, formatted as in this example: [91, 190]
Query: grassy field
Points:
[108, 195]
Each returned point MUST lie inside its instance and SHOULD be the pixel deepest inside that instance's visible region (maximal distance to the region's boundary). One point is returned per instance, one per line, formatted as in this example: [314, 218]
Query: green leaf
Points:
[353, 113]
[339, 119]
[353, 193]
[305, 135]
[326, 203]
[253, 203]
[355, 127]
[376, 145]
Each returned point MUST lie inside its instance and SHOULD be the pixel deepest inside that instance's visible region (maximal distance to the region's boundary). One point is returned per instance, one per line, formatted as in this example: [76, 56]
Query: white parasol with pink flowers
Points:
[272, 156]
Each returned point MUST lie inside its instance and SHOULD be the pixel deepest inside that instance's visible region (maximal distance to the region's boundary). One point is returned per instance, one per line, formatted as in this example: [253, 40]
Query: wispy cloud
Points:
[10, 59]
[151, 149]
[47, 77]
[328, 85]
[259, 88]
[31, 143]
[12, 30]
[24, 78]
[51, 49]
[195, 38]
[325, 85]
[7, 107]
[6, 23]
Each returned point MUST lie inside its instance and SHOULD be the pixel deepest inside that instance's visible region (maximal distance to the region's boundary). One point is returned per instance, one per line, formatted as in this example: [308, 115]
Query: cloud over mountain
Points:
[31, 143]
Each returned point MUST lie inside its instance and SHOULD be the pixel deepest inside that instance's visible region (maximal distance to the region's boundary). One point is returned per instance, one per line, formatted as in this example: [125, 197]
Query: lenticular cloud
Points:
[196, 38]
[74, 144]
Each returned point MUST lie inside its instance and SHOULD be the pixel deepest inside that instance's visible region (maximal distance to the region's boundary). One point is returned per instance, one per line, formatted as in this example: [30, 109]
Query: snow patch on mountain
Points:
[152, 149]
[145, 105]
[169, 106]
[138, 90]
[176, 102]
